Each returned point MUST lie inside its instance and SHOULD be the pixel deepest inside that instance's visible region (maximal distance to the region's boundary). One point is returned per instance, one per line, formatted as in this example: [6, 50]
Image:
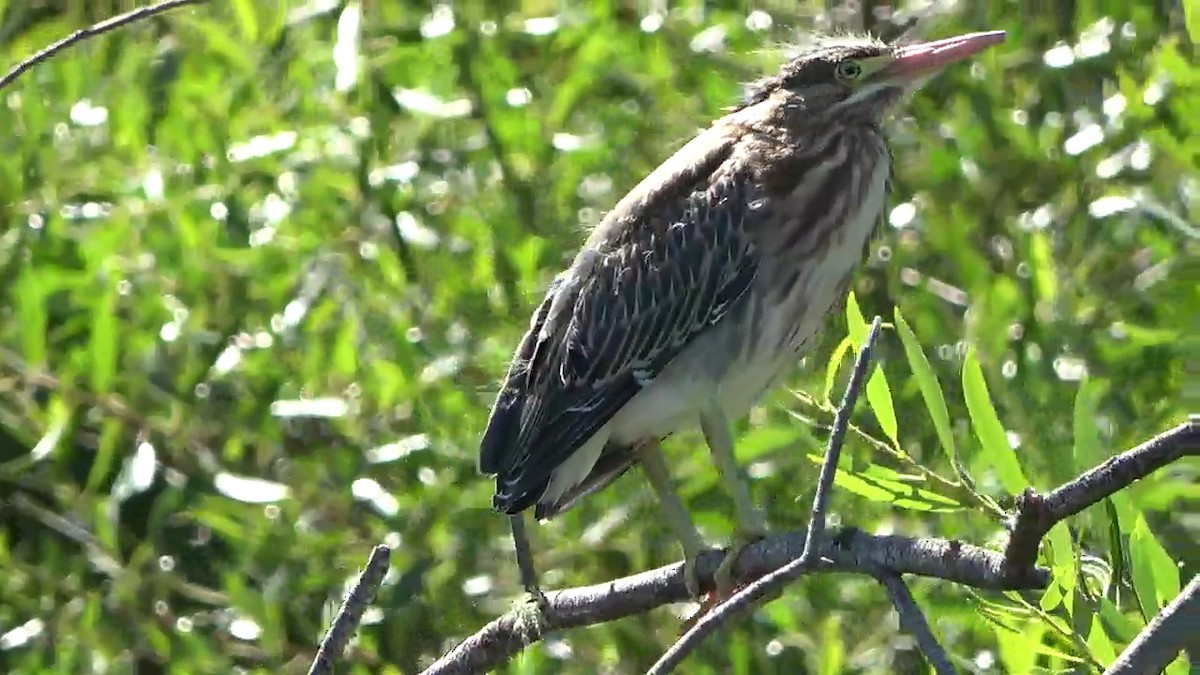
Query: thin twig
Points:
[913, 620]
[90, 32]
[837, 438]
[1176, 627]
[350, 613]
[1037, 513]
[808, 557]
[841, 551]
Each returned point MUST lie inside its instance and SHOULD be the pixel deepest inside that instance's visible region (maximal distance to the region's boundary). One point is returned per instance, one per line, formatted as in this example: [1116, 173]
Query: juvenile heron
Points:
[702, 286]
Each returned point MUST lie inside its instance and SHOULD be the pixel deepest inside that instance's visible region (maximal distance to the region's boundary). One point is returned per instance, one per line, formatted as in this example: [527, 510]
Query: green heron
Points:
[702, 286]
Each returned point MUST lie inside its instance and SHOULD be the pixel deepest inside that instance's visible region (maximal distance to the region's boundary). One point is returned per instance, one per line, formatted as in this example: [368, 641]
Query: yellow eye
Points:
[848, 70]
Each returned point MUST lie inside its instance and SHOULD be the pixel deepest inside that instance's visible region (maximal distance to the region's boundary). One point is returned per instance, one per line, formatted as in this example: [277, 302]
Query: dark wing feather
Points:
[665, 265]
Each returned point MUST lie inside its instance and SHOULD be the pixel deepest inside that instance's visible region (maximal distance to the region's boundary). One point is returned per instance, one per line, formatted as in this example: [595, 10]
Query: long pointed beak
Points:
[911, 63]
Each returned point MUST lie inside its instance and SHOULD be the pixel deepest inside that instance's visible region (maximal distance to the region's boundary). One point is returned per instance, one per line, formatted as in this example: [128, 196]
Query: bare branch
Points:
[845, 550]
[775, 581]
[1037, 513]
[1177, 626]
[350, 613]
[913, 620]
[90, 32]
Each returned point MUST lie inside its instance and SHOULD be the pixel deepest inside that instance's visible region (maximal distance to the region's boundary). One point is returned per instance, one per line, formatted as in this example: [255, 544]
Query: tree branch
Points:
[913, 620]
[1037, 513]
[775, 581]
[846, 550]
[350, 613]
[1177, 626]
[90, 32]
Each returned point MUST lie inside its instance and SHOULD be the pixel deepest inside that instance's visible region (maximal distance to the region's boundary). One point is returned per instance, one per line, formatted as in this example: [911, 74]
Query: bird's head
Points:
[859, 78]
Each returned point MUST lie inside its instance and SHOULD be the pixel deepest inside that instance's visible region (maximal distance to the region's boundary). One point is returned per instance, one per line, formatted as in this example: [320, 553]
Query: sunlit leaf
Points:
[879, 396]
[997, 451]
[1063, 562]
[1155, 575]
[104, 342]
[1099, 643]
[1191, 16]
[247, 18]
[31, 312]
[931, 391]
[835, 362]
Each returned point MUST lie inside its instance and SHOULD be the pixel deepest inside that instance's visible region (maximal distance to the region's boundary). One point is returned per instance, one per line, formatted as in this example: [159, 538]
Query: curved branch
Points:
[1037, 513]
[90, 32]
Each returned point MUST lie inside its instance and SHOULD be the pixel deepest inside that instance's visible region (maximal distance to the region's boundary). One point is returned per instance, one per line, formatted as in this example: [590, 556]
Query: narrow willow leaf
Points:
[879, 395]
[345, 349]
[247, 19]
[1191, 19]
[1086, 434]
[1051, 597]
[1099, 643]
[996, 448]
[1123, 627]
[103, 342]
[835, 362]
[1155, 576]
[31, 310]
[1063, 563]
[935, 401]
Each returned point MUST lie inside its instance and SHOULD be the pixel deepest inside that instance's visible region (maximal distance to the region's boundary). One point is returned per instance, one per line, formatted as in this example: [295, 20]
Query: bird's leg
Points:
[750, 526]
[654, 465]
[525, 559]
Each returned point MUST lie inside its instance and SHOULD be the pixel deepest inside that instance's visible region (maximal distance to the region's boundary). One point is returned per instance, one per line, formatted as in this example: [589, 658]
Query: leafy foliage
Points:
[262, 265]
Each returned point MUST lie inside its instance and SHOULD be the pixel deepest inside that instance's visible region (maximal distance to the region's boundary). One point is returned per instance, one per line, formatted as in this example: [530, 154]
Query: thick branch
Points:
[1177, 626]
[845, 550]
[1037, 513]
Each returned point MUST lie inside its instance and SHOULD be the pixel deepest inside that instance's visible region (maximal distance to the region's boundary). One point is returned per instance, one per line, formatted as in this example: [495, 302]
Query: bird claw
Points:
[724, 578]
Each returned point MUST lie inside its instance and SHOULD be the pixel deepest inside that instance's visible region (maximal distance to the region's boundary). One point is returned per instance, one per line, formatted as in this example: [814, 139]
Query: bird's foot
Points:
[724, 578]
[535, 596]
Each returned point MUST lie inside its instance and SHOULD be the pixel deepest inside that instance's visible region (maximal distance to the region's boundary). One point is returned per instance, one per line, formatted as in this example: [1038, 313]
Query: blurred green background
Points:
[262, 266]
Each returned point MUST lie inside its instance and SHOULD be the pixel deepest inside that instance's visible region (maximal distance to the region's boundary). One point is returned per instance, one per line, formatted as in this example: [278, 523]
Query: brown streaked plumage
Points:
[702, 286]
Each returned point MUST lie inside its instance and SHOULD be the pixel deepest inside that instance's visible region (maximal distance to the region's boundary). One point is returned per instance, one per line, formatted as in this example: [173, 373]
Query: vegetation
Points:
[262, 266]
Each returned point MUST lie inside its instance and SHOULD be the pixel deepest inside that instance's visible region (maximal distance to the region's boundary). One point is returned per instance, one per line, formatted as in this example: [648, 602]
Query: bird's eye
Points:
[848, 70]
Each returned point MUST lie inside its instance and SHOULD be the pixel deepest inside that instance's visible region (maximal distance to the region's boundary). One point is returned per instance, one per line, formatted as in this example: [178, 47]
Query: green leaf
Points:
[1099, 643]
[1155, 575]
[835, 362]
[1191, 18]
[1052, 597]
[996, 449]
[1063, 562]
[935, 402]
[31, 294]
[246, 18]
[1123, 627]
[1018, 651]
[875, 483]
[345, 348]
[104, 343]
[879, 395]
[1087, 436]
